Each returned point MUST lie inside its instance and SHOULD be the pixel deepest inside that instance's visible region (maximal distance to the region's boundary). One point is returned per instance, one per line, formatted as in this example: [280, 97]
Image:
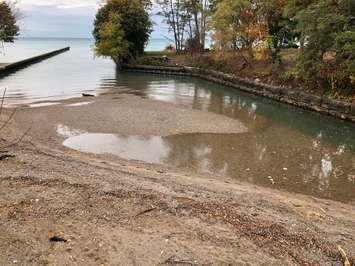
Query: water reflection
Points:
[243, 156]
[150, 149]
[61, 77]
[285, 147]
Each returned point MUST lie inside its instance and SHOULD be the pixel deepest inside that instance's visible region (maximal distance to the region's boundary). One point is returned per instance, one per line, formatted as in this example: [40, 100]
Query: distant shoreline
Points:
[72, 38]
[154, 44]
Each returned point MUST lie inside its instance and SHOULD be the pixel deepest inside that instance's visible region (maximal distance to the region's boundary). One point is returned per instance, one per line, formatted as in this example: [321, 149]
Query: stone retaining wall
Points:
[343, 110]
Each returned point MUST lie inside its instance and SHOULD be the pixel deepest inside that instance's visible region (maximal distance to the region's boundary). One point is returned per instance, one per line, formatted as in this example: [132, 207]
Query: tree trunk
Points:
[197, 26]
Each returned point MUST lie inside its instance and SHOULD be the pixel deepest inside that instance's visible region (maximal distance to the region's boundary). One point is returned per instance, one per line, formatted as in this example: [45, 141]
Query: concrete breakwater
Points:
[5, 68]
[340, 109]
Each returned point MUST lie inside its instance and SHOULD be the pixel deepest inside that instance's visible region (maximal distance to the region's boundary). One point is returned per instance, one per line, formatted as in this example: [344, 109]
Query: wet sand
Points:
[110, 211]
[124, 114]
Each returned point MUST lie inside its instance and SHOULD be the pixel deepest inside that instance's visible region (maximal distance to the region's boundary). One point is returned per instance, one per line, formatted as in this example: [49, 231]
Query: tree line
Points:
[322, 31]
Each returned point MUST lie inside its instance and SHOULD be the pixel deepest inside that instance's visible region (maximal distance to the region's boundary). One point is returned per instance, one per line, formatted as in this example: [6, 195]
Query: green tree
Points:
[8, 27]
[122, 29]
[280, 28]
[112, 39]
[327, 57]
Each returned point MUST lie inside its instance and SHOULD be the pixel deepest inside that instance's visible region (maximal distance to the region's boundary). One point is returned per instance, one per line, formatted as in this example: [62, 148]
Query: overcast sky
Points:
[64, 18]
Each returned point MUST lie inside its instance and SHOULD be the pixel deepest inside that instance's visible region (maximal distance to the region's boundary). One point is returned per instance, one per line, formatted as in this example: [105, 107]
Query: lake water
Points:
[23, 48]
[286, 148]
[83, 71]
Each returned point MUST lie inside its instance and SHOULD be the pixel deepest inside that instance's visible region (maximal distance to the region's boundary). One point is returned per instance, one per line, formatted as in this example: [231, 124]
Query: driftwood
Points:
[88, 95]
[343, 254]
[57, 239]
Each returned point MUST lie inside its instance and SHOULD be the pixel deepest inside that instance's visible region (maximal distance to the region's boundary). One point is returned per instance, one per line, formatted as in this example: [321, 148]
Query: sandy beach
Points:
[59, 206]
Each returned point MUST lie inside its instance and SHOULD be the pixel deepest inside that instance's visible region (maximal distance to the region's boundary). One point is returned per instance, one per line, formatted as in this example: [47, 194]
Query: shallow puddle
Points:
[150, 149]
[79, 104]
[34, 105]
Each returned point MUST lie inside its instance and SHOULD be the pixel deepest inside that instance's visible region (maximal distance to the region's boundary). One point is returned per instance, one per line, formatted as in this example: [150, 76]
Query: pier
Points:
[9, 67]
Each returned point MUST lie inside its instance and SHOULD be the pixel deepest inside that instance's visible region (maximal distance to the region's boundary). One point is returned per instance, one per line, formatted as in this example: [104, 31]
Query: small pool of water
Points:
[150, 149]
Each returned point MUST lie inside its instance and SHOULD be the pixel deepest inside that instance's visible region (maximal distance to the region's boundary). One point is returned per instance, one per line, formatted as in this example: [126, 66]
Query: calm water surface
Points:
[285, 148]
